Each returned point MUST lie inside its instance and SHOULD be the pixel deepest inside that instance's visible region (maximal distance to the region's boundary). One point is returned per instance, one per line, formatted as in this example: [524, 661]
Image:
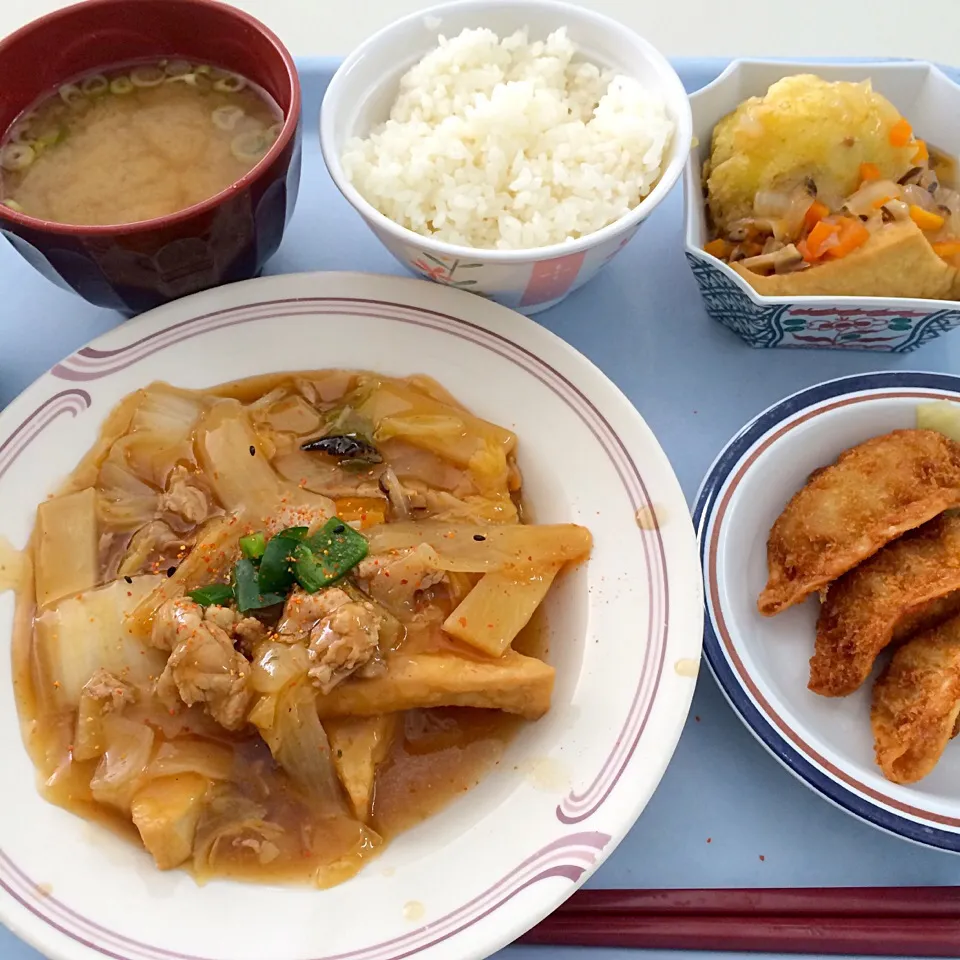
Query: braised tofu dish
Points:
[269, 625]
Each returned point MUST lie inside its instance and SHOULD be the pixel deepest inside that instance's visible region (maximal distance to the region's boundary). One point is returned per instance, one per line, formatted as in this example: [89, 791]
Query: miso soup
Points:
[135, 142]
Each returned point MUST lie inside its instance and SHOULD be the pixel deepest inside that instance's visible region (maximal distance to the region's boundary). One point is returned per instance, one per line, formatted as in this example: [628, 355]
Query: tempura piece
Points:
[916, 702]
[912, 584]
[513, 683]
[847, 511]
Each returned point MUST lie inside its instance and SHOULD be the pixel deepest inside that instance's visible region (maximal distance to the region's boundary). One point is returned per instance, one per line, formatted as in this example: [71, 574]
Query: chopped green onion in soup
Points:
[17, 156]
[177, 68]
[250, 146]
[231, 83]
[147, 75]
[95, 86]
[70, 94]
[226, 118]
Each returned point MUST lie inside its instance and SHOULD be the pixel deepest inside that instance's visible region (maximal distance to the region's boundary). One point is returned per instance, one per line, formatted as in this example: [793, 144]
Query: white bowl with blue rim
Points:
[364, 87]
[930, 100]
[761, 663]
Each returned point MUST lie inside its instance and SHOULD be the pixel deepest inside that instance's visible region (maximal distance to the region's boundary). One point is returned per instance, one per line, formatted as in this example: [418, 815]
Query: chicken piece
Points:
[343, 634]
[150, 541]
[912, 584]
[303, 611]
[513, 683]
[174, 620]
[916, 703]
[184, 498]
[111, 693]
[343, 643]
[847, 511]
[395, 582]
[205, 668]
[101, 695]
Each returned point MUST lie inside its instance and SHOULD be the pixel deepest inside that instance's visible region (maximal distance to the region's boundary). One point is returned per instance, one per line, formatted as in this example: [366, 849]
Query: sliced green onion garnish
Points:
[231, 83]
[309, 572]
[49, 137]
[147, 75]
[337, 548]
[95, 86]
[214, 593]
[246, 588]
[17, 156]
[252, 546]
[250, 146]
[294, 533]
[70, 94]
[121, 86]
[177, 68]
[226, 118]
[20, 132]
[12, 204]
[276, 575]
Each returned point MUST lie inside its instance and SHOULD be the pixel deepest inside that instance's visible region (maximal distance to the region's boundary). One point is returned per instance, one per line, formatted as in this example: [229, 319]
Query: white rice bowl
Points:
[511, 145]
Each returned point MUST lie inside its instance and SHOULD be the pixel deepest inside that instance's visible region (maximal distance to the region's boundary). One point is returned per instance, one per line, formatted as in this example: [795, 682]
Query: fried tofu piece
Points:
[359, 745]
[846, 512]
[916, 703]
[513, 683]
[898, 261]
[166, 813]
[912, 584]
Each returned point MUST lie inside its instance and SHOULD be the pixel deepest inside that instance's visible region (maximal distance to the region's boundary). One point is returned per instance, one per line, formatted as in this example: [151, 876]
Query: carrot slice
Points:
[368, 510]
[853, 234]
[869, 171]
[820, 236]
[924, 219]
[815, 213]
[901, 133]
[946, 248]
[923, 152]
[719, 248]
[877, 204]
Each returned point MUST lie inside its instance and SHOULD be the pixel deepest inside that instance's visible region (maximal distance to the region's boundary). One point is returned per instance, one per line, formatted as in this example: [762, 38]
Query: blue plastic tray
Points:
[696, 384]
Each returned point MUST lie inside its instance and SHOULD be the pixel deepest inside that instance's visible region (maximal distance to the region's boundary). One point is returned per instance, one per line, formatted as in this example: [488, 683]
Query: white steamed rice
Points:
[511, 145]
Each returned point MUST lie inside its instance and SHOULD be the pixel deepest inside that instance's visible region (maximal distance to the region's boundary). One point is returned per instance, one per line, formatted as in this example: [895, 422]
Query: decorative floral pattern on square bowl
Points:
[871, 323]
[881, 324]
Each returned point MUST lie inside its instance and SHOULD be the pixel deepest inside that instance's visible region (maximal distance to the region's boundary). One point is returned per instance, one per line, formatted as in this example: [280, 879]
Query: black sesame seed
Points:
[479, 537]
[171, 571]
[253, 450]
[339, 528]
[128, 579]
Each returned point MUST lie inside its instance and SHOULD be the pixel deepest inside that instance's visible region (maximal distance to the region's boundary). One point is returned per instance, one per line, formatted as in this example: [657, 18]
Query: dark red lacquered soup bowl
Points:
[134, 267]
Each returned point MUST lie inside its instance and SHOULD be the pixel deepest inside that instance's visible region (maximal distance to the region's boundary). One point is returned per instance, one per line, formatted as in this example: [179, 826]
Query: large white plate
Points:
[625, 636]
[761, 663]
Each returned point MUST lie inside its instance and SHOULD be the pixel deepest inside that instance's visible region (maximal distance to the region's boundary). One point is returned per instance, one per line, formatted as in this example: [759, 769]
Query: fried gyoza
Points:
[912, 584]
[846, 512]
[916, 702]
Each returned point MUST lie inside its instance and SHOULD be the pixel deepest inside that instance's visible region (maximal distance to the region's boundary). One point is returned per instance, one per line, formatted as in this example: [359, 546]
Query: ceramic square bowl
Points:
[923, 94]
[363, 89]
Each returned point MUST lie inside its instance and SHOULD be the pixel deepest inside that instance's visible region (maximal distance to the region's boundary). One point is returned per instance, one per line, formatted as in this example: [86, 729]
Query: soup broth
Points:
[135, 142]
[277, 714]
